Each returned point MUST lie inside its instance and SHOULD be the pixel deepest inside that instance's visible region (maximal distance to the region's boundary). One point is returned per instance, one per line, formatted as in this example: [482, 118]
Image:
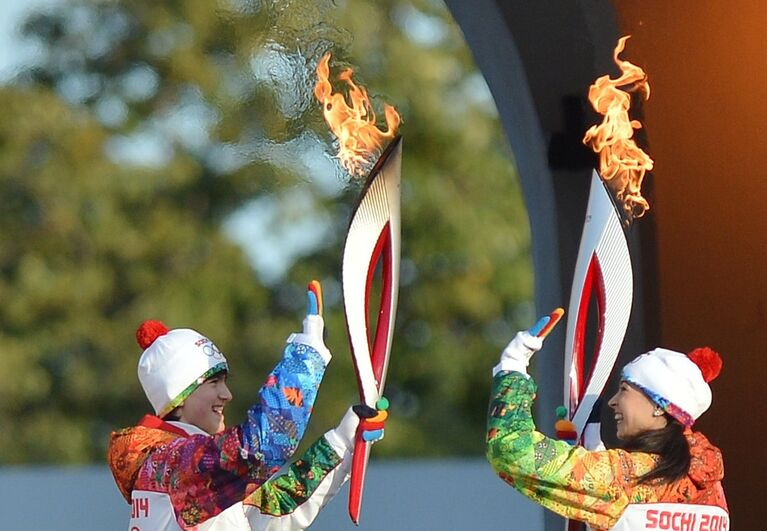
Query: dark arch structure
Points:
[699, 256]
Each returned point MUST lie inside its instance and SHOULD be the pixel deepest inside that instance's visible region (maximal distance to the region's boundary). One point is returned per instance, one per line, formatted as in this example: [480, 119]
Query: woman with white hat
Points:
[181, 468]
[663, 476]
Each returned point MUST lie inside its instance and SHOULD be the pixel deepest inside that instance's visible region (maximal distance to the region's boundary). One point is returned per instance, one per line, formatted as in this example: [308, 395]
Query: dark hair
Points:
[672, 447]
[172, 415]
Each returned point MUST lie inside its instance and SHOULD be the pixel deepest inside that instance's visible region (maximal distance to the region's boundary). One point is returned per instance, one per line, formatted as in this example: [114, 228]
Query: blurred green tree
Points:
[167, 160]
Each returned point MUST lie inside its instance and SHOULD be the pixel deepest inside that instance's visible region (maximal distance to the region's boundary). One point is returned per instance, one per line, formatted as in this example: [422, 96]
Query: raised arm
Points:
[592, 487]
[206, 474]
[291, 501]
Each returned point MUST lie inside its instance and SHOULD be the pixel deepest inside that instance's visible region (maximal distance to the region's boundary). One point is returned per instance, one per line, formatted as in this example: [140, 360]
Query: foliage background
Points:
[167, 160]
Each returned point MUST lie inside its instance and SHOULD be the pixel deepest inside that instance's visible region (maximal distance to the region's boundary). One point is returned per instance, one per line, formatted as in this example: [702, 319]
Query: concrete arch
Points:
[702, 245]
[538, 59]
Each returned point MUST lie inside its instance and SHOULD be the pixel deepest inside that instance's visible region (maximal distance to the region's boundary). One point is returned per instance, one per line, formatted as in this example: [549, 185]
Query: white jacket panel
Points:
[303, 516]
[673, 516]
[153, 511]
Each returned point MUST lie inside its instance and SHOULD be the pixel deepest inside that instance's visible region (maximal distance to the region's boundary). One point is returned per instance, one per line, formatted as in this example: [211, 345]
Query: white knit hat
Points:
[174, 363]
[676, 382]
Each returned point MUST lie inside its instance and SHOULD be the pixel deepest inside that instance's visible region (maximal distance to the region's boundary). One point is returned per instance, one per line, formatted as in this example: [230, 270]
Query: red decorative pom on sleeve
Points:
[148, 331]
[708, 361]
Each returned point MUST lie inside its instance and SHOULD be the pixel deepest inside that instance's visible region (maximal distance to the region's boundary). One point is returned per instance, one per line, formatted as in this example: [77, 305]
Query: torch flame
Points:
[355, 126]
[622, 164]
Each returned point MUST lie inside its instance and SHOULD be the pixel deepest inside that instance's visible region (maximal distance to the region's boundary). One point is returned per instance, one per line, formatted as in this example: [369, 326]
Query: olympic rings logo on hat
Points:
[212, 351]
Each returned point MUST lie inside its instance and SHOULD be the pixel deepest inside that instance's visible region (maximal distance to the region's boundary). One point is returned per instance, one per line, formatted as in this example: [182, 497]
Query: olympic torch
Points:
[603, 267]
[374, 235]
[373, 238]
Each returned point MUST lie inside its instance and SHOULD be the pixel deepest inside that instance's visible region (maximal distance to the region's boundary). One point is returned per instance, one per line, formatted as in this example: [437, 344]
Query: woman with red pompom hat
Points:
[181, 468]
[664, 475]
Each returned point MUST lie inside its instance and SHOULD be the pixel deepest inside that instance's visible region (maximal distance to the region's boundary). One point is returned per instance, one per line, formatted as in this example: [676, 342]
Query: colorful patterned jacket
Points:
[291, 501]
[288, 501]
[592, 487]
[201, 475]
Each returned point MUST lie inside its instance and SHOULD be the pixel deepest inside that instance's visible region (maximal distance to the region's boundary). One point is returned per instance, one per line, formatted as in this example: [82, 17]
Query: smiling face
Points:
[205, 406]
[634, 412]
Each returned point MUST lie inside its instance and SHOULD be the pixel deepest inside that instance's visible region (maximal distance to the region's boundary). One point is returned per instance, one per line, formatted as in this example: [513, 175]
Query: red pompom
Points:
[708, 361]
[149, 331]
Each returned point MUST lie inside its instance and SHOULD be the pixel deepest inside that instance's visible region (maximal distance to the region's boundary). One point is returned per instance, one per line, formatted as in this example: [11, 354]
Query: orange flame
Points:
[622, 164]
[355, 126]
